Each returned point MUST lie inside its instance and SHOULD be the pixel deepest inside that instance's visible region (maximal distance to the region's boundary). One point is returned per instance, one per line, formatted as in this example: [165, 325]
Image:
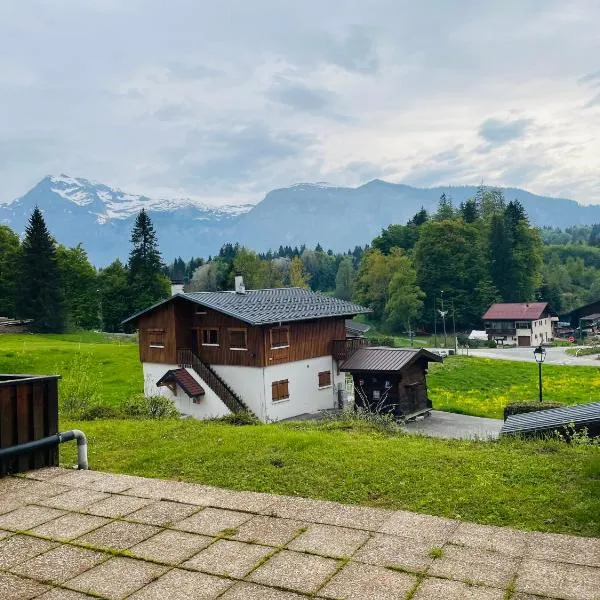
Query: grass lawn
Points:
[531, 485]
[116, 361]
[483, 386]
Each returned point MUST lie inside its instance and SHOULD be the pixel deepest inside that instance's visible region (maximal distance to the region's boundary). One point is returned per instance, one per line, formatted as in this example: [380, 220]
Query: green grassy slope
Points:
[532, 485]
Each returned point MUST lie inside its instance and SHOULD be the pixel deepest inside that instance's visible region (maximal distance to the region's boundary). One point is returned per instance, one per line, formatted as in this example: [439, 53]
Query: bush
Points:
[150, 407]
[99, 411]
[518, 408]
[382, 340]
[80, 386]
[241, 418]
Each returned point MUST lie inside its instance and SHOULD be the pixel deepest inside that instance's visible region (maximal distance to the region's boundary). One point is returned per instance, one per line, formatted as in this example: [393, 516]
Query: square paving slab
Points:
[62, 594]
[212, 521]
[251, 591]
[171, 547]
[119, 535]
[295, 571]
[269, 530]
[183, 585]
[393, 551]
[69, 526]
[116, 578]
[358, 582]
[116, 506]
[20, 548]
[475, 566]
[229, 558]
[443, 589]
[559, 580]
[28, 517]
[163, 513]
[60, 564]
[327, 540]
[17, 588]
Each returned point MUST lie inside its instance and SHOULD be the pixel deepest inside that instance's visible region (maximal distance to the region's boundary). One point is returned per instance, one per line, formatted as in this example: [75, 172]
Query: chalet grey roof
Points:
[357, 328]
[273, 305]
[379, 358]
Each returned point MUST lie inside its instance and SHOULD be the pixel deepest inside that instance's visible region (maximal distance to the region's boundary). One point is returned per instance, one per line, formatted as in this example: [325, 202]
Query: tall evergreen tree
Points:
[445, 211]
[469, 211]
[146, 279]
[114, 296]
[40, 291]
[80, 285]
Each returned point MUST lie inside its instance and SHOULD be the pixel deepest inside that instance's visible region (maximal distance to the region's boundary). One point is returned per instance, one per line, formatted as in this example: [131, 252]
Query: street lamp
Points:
[540, 356]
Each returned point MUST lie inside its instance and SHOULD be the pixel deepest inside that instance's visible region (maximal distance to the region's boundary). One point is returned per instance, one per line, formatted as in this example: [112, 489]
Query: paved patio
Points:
[72, 535]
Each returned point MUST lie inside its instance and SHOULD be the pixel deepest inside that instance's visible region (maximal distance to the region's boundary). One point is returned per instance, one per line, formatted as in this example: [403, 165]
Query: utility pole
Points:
[411, 334]
[454, 329]
[435, 343]
[443, 314]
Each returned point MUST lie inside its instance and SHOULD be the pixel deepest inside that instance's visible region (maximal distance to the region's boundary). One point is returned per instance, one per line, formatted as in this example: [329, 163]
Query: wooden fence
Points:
[28, 412]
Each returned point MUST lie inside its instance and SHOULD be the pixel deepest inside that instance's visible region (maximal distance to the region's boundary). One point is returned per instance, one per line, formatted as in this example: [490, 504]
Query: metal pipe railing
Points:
[51, 441]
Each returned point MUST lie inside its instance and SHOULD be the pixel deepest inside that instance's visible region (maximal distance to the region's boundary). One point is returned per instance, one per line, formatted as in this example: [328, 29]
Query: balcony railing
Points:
[499, 332]
[342, 350]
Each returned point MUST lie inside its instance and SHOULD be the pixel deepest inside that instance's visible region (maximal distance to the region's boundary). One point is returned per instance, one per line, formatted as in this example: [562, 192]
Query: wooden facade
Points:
[28, 412]
[402, 393]
[180, 324]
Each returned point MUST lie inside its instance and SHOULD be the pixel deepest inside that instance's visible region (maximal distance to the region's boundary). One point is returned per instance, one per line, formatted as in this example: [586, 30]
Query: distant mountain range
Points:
[100, 217]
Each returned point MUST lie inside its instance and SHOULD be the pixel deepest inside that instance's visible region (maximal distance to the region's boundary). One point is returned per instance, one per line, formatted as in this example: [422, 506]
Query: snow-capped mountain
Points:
[100, 217]
[78, 210]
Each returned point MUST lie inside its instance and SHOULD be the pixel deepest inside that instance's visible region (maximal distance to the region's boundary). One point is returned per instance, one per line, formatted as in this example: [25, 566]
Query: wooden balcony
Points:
[342, 350]
[501, 332]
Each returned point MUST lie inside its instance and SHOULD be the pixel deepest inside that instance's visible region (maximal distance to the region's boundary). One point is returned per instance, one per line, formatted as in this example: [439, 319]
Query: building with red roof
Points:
[520, 323]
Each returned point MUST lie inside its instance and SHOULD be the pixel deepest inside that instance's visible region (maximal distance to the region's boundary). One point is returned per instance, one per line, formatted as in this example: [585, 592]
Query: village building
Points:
[520, 323]
[276, 352]
[391, 380]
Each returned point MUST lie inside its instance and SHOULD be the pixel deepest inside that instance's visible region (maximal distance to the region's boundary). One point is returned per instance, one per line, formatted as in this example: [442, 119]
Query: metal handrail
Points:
[187, 358]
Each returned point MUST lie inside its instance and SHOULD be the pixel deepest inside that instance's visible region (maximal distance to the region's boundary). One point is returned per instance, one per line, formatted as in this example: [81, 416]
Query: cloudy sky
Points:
[225, 100]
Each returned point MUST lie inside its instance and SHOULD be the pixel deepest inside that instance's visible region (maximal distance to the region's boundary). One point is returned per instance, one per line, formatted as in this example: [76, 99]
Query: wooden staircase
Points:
[187, 358]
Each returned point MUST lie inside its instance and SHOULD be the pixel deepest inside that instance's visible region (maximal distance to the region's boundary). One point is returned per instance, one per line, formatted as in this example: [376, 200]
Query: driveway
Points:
[554, 356]
[454, 426]
[80, 535]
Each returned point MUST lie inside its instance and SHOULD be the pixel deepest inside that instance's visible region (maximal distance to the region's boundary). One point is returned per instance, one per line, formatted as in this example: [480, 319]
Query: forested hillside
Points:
[463, 256]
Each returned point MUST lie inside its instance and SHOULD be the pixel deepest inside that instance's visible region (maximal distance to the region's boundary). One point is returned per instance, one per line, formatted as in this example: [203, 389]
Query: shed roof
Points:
[379, 358]
[273, 305]
[517, 310]
[186, 382]
[356, 328]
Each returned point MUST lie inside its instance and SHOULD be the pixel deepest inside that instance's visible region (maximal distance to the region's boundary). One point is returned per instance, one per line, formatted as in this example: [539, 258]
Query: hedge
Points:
[517, 408]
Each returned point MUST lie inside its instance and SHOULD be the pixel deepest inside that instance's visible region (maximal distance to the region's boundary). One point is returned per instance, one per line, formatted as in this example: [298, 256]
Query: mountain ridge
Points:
[79, 210]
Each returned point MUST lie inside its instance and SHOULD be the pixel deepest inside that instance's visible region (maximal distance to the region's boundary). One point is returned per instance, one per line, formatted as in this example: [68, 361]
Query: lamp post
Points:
[540, 356]
[443, 314]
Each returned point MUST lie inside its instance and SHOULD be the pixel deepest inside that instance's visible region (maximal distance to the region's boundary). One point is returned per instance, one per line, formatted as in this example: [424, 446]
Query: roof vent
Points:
[239, 285]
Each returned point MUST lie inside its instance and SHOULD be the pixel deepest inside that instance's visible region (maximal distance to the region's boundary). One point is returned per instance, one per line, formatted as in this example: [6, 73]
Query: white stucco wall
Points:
[305, 395]
[248, 384]
[253, 385]
[209, 407]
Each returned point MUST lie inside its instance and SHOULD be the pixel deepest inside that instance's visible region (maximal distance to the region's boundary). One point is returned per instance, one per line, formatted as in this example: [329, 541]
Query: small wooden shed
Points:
[391, 380]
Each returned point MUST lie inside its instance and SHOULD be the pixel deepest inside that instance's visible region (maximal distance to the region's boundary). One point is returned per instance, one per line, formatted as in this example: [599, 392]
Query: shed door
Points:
[524, 340]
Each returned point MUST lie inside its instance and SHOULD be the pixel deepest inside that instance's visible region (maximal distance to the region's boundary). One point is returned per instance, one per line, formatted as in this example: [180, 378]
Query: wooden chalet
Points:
[275, 352]
[391, 380]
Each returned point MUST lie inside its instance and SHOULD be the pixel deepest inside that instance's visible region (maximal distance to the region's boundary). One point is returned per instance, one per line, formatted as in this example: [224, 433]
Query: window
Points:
[280, 390]
[324, 379]
[210, 337]
[280, 337]
[156, 338]
[238, 339]
[197, 399]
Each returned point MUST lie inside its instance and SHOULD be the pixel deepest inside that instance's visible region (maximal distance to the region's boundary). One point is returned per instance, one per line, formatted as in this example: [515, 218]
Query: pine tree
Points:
[594, 239]
[40, 291]
[469, 211]
[146, 279]
[114, 296]
[445, 211]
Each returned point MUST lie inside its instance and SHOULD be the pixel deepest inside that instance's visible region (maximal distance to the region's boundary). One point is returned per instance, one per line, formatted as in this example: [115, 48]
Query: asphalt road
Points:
[554, 356]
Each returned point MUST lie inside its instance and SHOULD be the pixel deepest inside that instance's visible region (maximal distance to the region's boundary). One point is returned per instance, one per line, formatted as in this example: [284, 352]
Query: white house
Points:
[520, 323]
[275, 352]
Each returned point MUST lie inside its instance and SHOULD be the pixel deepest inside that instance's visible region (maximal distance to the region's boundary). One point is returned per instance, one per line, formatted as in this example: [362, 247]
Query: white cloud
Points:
[229, 99]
